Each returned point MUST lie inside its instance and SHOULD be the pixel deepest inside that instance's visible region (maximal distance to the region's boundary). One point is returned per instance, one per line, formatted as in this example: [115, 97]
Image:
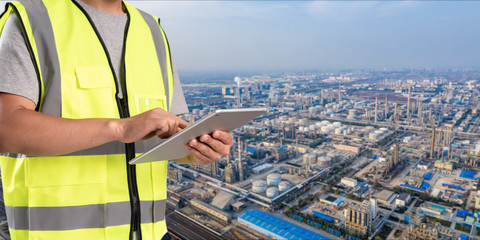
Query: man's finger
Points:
[215, 144]
[223, 136]
[182, 123]
[198, 155]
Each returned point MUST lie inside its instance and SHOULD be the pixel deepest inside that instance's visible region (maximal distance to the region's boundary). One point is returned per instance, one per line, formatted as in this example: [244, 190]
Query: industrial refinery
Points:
[360, 155]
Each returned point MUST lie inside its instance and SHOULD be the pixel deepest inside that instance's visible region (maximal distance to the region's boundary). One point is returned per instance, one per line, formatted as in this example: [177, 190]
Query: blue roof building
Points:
[275, 227]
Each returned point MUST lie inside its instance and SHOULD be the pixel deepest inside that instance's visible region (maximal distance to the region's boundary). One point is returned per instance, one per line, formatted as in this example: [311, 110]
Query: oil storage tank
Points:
[283, 186]
[272, 192]
[273, 179]
[259, 186]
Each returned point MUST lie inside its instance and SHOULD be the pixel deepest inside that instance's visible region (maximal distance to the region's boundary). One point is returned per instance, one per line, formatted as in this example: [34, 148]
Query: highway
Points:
[182, 227]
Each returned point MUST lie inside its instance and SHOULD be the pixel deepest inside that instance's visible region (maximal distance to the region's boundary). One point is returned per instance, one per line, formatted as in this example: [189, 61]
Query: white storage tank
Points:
[373, 136]
[325, 122]
[319, 152]
[272, 192]
[259, 186]
[384, 129]
[203, 112]
[339, 130]
[273, 179]
[332, 155]
[378, 132]
[283, 186]
[337, 124]
[309, 159]
[324, 162]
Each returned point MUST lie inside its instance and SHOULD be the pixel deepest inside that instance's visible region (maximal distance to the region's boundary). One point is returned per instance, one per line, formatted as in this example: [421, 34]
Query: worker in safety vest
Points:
[85, 86]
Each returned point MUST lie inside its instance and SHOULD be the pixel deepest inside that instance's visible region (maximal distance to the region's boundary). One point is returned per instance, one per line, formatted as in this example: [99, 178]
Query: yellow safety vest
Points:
[93, 193]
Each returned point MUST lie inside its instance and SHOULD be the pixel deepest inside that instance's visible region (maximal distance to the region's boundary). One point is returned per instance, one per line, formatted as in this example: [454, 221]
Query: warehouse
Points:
[275, 227]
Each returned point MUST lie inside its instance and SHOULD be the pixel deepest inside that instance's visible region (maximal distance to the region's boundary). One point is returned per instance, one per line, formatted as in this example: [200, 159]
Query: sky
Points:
[319, 35]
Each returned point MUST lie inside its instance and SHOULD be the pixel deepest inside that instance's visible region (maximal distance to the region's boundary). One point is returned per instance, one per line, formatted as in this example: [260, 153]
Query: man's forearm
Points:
[33, 133]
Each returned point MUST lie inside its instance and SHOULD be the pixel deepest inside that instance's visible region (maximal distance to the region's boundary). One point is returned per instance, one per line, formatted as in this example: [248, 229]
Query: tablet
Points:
[174, 146]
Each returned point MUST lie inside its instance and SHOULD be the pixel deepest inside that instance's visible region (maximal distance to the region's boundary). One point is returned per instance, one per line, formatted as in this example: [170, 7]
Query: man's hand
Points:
[148, 124]
[210, 147]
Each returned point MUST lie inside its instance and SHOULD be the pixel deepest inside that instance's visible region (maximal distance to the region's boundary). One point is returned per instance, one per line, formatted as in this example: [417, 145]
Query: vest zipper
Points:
[122, 105]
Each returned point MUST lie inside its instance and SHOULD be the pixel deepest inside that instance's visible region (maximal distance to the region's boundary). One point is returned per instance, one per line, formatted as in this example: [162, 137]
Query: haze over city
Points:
[299, 35]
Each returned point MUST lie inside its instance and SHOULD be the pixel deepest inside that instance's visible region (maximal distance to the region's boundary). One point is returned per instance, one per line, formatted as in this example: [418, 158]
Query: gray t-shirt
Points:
[17, 73]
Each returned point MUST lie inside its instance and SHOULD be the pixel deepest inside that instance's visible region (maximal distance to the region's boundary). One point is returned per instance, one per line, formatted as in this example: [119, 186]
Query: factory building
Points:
[403, 200]
[360, 216]
[211, 210]
[274, 227]
[262, 168]
[444, 165]
[385, 196]
[419, 227]
[349, 182]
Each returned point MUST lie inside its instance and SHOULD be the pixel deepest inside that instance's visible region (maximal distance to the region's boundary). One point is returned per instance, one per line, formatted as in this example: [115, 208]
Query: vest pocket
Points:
[90, 93]
[144, 102]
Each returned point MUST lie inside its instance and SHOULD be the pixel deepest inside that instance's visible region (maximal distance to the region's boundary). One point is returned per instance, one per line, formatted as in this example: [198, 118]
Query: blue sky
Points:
[283, 35]
[319, 35]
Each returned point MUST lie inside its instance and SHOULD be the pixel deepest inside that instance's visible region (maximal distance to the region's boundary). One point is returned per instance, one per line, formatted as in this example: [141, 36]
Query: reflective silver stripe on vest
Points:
[47, 56]
[160, 46]
[81, 217]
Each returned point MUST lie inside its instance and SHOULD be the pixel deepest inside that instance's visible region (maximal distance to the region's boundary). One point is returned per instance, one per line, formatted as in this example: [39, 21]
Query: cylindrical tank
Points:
[384, 129]
[272, 192]
[332, 155]
[283, 186]
[324, 129]
[373, 136]
[339, 130]
[309, 158]
[337, 124]
[319, 152]
[259, 186]
[273, 179]
[378, 132]
[325, 122]
[324, 162]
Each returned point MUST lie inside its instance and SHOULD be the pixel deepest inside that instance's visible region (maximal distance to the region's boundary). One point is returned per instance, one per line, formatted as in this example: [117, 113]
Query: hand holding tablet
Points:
[174, 147]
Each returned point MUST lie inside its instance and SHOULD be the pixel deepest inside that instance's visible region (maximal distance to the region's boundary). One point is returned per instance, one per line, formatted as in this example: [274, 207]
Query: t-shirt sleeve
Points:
[179, 105]
[17, 73]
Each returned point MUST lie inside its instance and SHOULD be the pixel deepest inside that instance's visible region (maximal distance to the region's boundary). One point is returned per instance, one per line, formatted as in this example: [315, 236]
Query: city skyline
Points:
[318, 35]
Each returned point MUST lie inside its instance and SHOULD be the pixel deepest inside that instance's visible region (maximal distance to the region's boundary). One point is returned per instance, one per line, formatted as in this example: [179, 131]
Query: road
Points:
[184, 228]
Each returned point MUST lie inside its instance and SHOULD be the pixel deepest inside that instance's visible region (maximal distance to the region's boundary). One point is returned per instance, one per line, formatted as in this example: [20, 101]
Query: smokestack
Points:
[408, 105]
[420, 111]
[395, 113]
[240, 169]
[386, 106]
[432, 145]
[376, 108]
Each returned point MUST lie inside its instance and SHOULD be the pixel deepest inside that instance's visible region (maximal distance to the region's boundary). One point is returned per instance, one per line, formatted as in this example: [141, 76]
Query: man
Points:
[85, 85]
